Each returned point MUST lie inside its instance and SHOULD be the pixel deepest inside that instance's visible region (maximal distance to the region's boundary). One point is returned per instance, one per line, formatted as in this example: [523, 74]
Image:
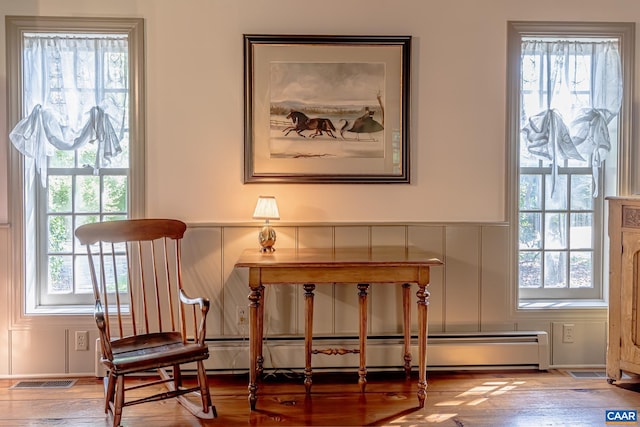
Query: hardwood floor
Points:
[504, 398]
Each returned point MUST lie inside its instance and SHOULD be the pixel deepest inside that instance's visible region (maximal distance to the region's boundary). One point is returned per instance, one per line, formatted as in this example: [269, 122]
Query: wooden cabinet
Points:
[623, 349]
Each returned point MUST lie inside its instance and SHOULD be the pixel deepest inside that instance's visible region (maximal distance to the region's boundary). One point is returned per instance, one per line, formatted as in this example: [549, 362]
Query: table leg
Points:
[255, 343]
[308, 334]
[362, 372]
[423, 303]
[260, 335]
[406, 317]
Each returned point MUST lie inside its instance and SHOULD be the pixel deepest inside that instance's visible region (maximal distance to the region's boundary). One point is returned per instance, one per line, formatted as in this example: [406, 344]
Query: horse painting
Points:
[302, 122]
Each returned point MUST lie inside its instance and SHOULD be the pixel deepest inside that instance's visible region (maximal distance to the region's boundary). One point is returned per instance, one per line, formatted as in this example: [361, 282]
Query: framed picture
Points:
[326, 109]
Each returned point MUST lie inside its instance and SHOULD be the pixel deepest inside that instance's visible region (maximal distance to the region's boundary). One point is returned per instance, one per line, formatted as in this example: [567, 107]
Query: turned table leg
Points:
[406, 317]
[423, 303]
[362, 303]
[255, 342]
[308, 334]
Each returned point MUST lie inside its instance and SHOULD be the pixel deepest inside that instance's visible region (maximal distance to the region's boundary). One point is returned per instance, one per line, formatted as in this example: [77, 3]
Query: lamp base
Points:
[267, 238]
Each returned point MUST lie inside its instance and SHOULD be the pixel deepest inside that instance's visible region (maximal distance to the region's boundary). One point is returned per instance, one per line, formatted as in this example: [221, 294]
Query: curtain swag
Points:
[547, 135]
[37, 135]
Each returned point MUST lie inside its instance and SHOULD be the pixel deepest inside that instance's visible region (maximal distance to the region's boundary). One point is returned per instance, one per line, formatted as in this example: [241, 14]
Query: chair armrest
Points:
[204, 304]
[201, 301]
[101, 322]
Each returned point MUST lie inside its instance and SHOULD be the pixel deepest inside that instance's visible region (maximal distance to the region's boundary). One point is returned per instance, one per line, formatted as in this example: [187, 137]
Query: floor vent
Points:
[592, 374]
[44, 384]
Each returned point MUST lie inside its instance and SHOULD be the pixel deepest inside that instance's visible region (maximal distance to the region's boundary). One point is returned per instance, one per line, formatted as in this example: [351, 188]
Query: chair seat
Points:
[153, 351]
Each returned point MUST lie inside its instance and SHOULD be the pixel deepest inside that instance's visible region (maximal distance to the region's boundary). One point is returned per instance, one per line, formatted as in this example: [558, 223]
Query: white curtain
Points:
[65, 108]
[572, 125]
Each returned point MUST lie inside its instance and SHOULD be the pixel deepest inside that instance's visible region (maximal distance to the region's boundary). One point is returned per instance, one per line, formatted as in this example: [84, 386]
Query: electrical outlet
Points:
[242, 316]
[567, 332]
[82, 340]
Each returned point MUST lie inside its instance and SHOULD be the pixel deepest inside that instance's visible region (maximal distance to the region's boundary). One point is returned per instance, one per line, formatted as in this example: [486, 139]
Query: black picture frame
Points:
[353, 93]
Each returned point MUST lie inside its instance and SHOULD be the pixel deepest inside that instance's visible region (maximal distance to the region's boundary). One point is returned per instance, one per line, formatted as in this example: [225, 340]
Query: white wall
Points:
[195, 112]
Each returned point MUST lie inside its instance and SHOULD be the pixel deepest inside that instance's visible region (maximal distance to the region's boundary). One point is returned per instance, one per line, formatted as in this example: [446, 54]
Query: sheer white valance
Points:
[67, 110]
[572, 125]
[40, 132]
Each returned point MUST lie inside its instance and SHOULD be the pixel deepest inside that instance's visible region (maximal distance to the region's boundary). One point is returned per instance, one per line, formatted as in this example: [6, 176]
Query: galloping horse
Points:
[302, 122]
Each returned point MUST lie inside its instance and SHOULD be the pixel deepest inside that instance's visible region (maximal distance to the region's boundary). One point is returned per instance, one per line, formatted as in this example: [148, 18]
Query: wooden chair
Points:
[142, 312]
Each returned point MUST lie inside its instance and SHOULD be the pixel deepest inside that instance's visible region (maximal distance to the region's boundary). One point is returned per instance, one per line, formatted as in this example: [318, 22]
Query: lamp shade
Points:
[266, 208]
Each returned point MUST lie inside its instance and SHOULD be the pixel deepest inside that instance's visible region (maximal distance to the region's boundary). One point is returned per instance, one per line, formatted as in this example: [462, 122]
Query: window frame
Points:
[26, 295]
[627, 173]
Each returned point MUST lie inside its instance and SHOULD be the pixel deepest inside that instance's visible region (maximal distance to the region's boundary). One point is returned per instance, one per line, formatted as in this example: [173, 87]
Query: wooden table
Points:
[360, 266]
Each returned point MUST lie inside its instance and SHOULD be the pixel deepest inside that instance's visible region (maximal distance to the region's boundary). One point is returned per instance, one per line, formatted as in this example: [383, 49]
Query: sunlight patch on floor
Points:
[481, 393]
[418, 420]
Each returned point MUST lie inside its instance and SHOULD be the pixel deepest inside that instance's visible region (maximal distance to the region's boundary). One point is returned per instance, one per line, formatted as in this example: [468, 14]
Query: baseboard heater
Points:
[526, 349]
[445, 351]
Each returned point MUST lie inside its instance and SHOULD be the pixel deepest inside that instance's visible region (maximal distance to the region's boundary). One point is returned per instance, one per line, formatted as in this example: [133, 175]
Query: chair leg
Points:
[109, 391]
[204, 389]
[117, 410]
[177, 377]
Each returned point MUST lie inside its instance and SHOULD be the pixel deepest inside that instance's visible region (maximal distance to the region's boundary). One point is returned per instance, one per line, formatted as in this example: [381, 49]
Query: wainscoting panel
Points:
[494, 284]
[463, 269]
[203, 271]
[43, 345]
[469, 294]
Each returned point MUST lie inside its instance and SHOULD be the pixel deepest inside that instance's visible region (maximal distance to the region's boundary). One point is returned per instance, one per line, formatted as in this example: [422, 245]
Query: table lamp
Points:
[266, 209]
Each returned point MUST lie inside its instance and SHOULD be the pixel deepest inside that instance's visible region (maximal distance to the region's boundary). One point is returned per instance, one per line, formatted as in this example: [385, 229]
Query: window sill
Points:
[69, 310]
[532, 305]
[63, 310]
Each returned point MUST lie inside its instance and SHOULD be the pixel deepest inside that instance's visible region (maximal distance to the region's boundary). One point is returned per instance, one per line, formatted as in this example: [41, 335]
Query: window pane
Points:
[83, 275]
[581, 270]
[581, 192]
[555, 236]
[581, 231]
[530, 192]
[530, 270]
[59, 194]
[555, 270]
[530, 230]
[87, 193]
[123, 272]
[81, 220]
[60, 234]
[115, 194]
[59, 274]
[556, 198]
[120, 269]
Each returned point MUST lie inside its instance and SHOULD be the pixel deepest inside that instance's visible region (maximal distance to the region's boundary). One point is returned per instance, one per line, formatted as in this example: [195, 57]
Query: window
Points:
[569, 121]
[75, 101]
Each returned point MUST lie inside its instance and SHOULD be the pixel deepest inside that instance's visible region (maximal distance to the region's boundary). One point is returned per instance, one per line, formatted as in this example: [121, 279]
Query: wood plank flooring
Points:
[492, 398]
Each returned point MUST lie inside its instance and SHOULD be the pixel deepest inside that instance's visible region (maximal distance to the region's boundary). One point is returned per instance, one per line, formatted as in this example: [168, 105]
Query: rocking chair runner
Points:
[142, 312]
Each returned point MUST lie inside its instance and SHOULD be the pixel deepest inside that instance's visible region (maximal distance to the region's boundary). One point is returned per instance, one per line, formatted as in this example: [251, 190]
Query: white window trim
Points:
[16, 26]
[628, 171]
